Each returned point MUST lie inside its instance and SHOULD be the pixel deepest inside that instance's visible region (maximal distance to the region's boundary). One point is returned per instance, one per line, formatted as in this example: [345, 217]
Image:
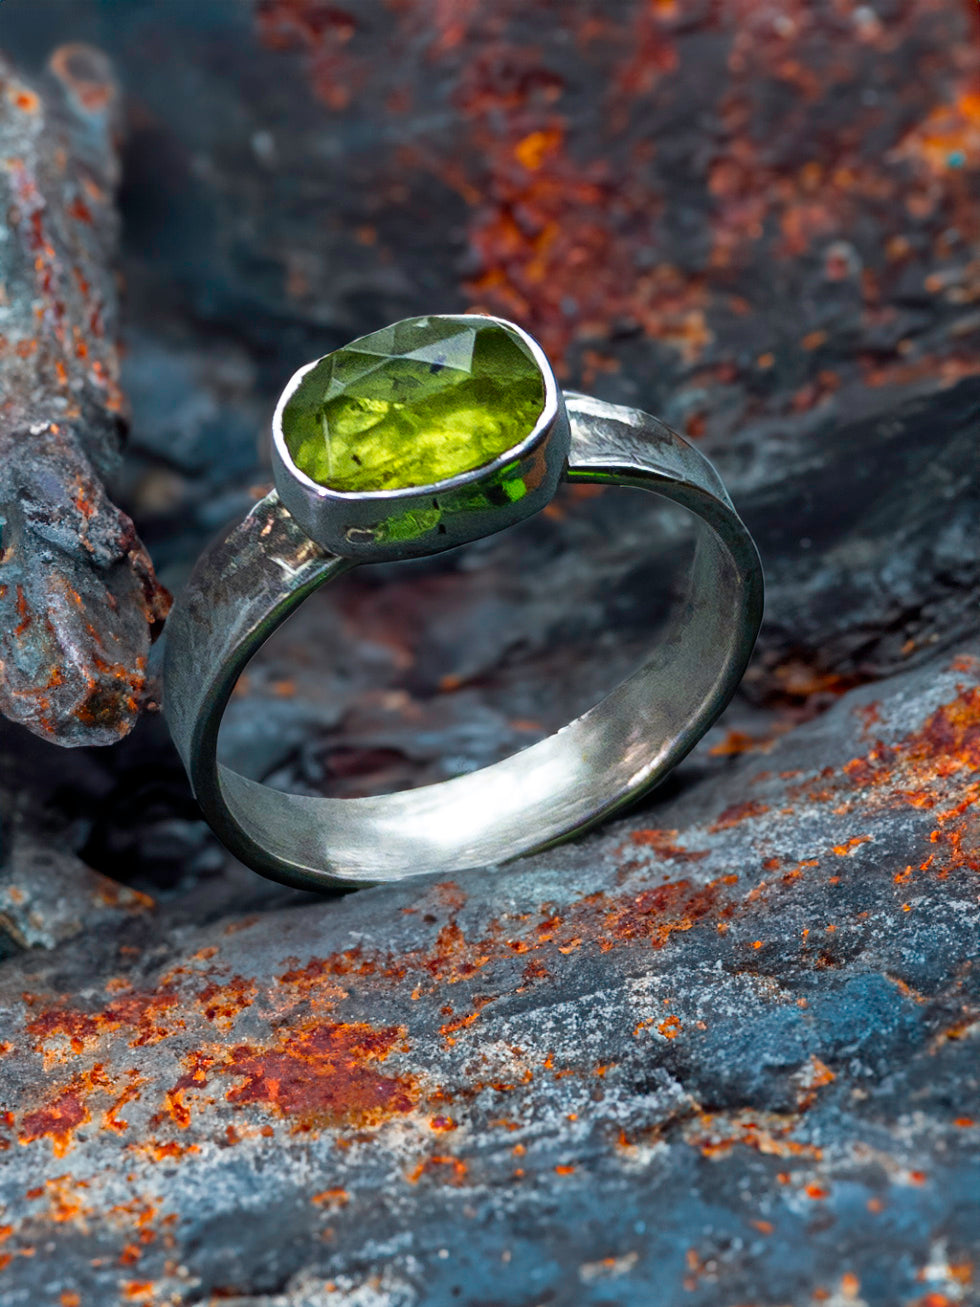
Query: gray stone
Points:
[728, 1041]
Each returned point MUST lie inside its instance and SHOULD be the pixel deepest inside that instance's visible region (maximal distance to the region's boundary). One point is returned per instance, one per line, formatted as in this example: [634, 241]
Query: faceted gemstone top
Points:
[414, 404]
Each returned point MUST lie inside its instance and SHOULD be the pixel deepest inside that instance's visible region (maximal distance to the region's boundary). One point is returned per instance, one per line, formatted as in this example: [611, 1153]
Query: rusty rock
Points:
[756, 222]
[724, 1050]
[724, 1044]
[78, 597]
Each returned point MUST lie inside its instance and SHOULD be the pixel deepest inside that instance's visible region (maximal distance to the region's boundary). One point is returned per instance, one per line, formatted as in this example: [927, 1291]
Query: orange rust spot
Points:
[738, 742]
[324, 1074]
[138, 1290]
[911, 771]
[670, 1028]
[532, 150]
[442, 1123]
[57, 1121]
[816, 1192]
[330, 1197]
[137, 1011]
[25, 100]
[81, 502]
[655, 914]
[715, 1135]
[195, 1078]
[738, 812]
[168, 1151]
[437, 1165]
[764, 1227]
[223, 1003]
[815, 1077]
[662, 842]
[848, 847]
[535, 970]
[23, 612]
[870, 715]
[564, 1170]
[110, 1119]
[452, 960]
[80, 211]
[460, 1022]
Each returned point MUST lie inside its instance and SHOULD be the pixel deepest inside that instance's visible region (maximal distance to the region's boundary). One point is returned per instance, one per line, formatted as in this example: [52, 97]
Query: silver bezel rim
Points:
[544, 424]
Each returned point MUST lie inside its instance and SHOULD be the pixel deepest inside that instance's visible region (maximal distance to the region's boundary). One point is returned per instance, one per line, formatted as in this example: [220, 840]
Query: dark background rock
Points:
[758, 222]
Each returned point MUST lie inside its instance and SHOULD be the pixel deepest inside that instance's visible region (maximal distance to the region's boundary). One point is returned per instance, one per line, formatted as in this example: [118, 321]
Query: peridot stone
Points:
[414, 404]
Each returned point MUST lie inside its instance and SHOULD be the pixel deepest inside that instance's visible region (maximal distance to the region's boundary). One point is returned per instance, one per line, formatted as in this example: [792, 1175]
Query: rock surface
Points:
[78, 597]
[756, 222]
[725, 1050]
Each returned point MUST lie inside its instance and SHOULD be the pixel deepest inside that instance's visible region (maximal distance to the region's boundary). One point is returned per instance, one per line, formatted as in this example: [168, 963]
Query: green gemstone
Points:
[414, 404]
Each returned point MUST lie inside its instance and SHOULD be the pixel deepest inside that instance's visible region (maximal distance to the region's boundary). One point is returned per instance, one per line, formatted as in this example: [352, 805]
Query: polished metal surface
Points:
[373, 526]
[246, 585]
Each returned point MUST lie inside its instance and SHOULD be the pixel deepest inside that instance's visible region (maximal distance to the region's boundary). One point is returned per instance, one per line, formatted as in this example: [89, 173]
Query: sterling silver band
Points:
[249, 582]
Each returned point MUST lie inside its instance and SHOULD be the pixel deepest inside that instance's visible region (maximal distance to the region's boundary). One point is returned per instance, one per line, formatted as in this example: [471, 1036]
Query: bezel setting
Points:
[413, 521]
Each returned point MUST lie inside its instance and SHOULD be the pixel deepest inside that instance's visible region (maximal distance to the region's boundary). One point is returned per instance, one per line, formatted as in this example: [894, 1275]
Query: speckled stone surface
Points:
[723, 1051]
[79, 600]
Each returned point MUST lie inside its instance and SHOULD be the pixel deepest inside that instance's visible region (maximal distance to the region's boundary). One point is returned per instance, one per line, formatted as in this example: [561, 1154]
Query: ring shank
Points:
[246, 585]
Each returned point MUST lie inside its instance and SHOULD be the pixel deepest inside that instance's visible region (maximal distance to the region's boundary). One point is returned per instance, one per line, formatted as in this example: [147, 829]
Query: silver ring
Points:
[349, 490]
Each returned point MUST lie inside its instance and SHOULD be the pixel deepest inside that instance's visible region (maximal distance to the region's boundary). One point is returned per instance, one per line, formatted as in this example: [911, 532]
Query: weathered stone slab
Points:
[723, 1050]
[78, 597]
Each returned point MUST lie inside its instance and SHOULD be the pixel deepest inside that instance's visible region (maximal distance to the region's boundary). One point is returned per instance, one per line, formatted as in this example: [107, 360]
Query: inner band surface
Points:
[562, 784]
